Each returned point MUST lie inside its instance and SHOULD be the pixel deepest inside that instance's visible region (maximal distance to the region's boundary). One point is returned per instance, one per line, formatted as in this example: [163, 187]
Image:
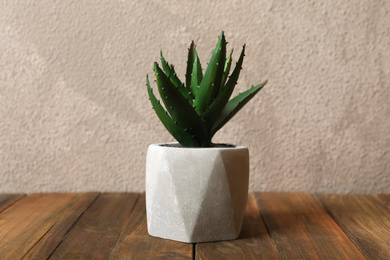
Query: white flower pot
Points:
[196, 194]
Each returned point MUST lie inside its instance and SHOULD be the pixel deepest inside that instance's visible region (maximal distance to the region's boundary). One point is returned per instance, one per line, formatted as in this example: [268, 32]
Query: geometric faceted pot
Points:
[196, 194]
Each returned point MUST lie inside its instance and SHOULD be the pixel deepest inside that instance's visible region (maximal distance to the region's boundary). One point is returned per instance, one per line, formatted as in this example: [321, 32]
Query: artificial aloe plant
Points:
[198, 108]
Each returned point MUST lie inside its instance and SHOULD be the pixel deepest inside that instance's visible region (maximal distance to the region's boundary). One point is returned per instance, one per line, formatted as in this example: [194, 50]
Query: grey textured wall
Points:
[75, 114]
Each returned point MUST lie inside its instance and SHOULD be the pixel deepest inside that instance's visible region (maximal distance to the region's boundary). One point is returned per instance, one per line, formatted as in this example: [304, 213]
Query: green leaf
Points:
[234, 105]
[212, 78]
[178, 107]
[190, 64]
[213, 111]
[179, 133]
[197, 75]
[226, 69]
[170, 72]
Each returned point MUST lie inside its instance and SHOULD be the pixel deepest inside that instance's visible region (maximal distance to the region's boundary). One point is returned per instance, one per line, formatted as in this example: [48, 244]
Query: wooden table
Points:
[113, 225]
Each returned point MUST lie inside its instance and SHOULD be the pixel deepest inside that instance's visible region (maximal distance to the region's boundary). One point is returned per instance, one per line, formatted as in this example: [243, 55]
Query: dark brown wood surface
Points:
[364, 218]
[254, 241]
[24, 223]
[70, 213]
[301, 229]
[135, 243]
[385, 198]
[95, 234]
[113, 226]
[7, 200]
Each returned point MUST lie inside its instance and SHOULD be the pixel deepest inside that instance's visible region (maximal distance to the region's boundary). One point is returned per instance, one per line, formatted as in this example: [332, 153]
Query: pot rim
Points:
[223, 147]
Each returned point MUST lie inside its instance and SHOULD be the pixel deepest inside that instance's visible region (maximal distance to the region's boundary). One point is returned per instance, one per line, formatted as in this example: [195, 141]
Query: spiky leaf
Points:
[234, 105]
[170, 72]
[223, 97]
[190, 64]
[179, 133]
[212, 78]
[197, 74]
[178, 107]
[226, 69]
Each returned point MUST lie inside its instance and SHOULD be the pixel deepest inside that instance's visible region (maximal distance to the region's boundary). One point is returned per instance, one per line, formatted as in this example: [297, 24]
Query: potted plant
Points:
[196, 191]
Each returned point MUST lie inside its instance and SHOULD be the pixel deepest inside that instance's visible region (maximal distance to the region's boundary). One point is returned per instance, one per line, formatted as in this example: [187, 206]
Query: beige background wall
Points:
[75, 114]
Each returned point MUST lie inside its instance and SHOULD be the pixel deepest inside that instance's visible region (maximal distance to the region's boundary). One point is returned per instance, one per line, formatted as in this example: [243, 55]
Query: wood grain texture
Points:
[385, 198]
[136, 243]
[27, 221]
[95, 233]
[254, 241]
[364, 218]
[113, 225]
[71, 212]
[7, 200]
[301, 229]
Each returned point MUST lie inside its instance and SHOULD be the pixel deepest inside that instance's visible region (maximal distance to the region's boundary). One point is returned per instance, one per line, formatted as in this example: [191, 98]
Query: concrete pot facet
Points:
[196, 194]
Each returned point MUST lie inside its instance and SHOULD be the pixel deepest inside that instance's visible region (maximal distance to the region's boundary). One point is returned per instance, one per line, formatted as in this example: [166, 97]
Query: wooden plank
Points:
[136, 243]
[364, 218]
[254, 241]
[68, 216]
[385, 198]
[7, 200]
[96, 232]
[26, 222]
[301, 229]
